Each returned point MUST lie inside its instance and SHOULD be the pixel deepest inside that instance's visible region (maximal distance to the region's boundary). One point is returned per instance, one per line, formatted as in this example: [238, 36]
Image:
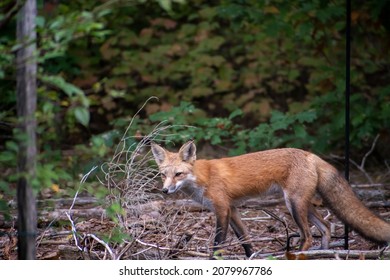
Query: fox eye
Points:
[178, 174]
[163, 176]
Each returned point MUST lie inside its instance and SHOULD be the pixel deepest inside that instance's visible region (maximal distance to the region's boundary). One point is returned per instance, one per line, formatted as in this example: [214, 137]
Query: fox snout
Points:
[170, 188]
[170, 185]
[165, 190]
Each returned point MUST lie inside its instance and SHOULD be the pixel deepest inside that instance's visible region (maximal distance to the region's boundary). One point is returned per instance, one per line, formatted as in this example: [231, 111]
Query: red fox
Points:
[219, 184]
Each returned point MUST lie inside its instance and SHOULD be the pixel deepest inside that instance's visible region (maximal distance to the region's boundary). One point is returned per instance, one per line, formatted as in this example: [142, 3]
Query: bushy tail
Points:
[339, 197]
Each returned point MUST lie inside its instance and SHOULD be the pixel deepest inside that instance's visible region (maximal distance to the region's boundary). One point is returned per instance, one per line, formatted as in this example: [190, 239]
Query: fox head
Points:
[175, 168]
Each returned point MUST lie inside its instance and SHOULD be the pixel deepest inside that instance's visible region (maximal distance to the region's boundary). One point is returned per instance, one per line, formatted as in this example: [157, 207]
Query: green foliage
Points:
[57, 96]
[195, 54]
[115, 210]
[246, 75]
[281, 130]
[75, 95]
[49, 174]
[117, 235]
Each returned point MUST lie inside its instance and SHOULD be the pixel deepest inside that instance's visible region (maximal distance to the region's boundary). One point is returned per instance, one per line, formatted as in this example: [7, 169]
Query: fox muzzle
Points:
[165, 190]
[170, 186]
[171, 189]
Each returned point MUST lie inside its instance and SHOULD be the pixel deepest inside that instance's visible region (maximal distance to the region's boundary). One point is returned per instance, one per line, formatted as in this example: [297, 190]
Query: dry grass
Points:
[131, 178]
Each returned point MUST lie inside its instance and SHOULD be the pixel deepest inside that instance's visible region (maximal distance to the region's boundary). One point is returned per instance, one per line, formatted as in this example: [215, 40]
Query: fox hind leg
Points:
[298, 209]
[322, 225]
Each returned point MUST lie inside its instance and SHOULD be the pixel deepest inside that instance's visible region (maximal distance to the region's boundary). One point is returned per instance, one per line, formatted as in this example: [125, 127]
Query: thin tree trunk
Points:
[26, 106]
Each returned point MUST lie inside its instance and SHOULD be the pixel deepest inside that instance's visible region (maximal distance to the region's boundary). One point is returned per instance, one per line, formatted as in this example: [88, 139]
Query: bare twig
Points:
[74, 231]
[284, 223]
[83, 179]
[152, 245]
[69, 212]
[358, 166]
[110, 251]
[370, 185]
[363, 163]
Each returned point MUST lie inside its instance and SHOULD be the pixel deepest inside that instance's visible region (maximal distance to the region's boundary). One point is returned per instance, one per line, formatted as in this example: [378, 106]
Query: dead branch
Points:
[370, 185]
[361, 166]
[344, 254]
[74, 229]
[358, 166]
[61, 214]
[197, 254]
[106, 246]
[153, 245]
[180, 244]
[378, 204]
[363, 162]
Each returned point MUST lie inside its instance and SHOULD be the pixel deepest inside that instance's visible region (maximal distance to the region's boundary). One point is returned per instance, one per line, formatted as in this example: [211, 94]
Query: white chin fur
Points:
[176, 188]
[191, 177]
[180, 183]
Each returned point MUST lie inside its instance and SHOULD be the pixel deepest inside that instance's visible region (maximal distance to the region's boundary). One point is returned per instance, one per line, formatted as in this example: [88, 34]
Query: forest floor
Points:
[176, 229]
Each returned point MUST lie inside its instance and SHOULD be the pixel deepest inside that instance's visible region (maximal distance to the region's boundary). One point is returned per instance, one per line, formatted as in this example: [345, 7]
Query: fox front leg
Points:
[222, 224]
[240, 231]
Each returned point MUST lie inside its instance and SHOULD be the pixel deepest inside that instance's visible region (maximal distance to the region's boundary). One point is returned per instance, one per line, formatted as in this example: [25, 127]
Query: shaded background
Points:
[246, 75]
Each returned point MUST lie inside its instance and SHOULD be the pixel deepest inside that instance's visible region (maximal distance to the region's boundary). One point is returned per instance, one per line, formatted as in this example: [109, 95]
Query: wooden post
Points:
[26, 106]
[347, 105]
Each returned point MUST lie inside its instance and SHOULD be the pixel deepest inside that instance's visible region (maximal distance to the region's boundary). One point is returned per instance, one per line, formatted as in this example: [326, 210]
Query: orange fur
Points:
[220, 183]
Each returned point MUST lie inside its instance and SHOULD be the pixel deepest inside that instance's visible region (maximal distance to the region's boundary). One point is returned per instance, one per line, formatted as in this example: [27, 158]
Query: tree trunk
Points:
[26, 106]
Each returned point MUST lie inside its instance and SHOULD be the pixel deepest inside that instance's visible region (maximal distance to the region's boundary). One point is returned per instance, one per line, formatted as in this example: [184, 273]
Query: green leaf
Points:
[277, 116]
[307, 116]
[40, 21]
[300, 131]
[12, 146]
[166, 5]
[60, 83]
[216, 139]
[235, 113]
[114, 209]
[82, 115]
[7, 157]
[5, 210]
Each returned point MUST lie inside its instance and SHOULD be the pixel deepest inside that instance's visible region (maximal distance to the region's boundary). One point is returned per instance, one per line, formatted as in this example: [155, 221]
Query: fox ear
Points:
[158, 152]
[188, 152]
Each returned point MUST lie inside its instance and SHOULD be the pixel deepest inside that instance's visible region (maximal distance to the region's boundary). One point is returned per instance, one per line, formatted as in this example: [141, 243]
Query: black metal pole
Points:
[347, 103]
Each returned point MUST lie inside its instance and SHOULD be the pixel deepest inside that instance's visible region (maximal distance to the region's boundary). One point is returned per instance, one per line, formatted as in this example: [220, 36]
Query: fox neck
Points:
[196, 192]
